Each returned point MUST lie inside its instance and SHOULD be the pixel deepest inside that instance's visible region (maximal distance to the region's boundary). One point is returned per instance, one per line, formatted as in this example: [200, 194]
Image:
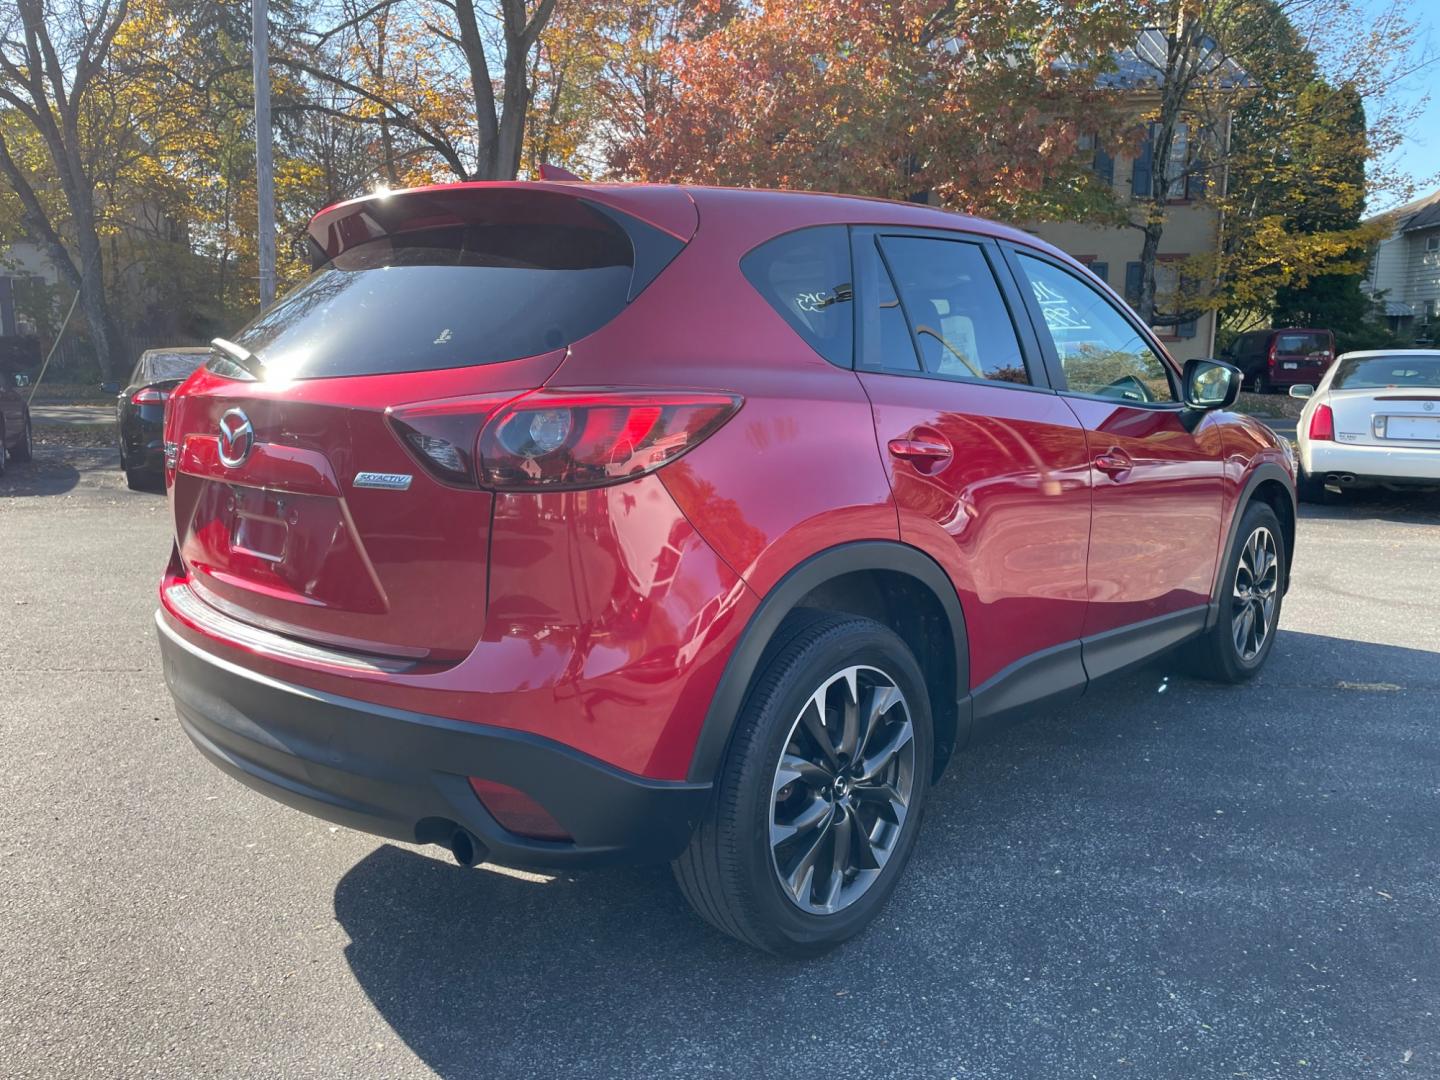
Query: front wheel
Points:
[819, 801]
[1251, 592]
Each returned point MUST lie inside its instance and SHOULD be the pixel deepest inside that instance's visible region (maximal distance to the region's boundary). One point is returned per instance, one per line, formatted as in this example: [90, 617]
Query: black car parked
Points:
[140, 410]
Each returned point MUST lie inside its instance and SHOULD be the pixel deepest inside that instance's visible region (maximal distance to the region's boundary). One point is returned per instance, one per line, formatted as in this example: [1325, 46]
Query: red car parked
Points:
[560, 523]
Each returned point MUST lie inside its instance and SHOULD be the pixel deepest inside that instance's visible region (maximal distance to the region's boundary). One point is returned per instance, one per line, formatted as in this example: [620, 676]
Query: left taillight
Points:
[552, 440]
[149, 396]
[565, 439]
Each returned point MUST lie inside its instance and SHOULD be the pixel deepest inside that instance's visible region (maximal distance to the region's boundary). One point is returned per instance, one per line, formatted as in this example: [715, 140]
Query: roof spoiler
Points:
[338, 228]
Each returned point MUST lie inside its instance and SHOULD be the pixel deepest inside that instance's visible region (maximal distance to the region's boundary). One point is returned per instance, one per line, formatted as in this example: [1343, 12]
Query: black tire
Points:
[1219, 654]
[1312, 489]
[139, 480]
[26, 450]
[1259, 382]
[729, 873]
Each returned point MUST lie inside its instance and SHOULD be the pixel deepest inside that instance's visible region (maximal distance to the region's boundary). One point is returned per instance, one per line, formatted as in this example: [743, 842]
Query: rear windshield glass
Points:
[158, 367]
[1381, 372]
[1302, 344]
[460, 295]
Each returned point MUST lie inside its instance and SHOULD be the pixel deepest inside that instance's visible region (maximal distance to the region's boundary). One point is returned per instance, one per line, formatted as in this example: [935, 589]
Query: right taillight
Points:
[1322, 424]
[564, 439]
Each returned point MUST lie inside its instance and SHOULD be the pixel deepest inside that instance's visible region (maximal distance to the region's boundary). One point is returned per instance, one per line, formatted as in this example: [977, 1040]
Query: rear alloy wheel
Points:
[816, 809]
[841, 796]
[1259, 383]
[1234, 649]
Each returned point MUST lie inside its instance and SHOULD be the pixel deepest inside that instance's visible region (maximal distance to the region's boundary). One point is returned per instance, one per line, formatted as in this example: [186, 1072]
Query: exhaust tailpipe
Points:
[466, 848]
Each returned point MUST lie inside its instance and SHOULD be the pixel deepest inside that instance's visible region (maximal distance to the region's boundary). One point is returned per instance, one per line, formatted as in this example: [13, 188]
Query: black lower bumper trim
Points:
[404, 775]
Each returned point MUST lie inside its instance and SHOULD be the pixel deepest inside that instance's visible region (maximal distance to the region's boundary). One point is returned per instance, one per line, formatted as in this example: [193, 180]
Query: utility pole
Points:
[264, 160]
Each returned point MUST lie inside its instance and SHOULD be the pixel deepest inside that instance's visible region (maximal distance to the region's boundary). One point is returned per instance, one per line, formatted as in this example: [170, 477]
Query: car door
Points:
[989, 468]
[1156, 466]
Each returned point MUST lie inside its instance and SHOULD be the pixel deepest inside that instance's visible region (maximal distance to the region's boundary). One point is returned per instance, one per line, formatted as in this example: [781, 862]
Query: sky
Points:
[1420, 154]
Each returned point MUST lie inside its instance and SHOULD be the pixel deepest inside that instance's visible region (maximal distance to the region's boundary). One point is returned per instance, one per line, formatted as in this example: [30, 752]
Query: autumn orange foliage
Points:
[978, 102]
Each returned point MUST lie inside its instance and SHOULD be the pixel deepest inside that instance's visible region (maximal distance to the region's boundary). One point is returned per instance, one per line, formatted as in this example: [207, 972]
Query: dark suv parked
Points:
[561, 523]
[1275, 359]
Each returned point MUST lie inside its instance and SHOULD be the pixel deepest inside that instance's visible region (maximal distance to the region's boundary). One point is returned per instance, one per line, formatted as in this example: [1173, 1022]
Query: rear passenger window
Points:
[805, 276]
[954, 309]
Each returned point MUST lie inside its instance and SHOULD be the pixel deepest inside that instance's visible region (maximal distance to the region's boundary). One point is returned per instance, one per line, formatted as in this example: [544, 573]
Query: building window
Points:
[1100, 270]
[1432, 243]
[1133, 278]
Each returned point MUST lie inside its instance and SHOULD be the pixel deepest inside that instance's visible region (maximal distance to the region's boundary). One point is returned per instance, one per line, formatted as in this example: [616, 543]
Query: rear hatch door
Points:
[323, 485]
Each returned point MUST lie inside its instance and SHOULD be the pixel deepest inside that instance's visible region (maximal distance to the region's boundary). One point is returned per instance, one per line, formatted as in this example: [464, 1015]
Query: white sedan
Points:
[1374, 420]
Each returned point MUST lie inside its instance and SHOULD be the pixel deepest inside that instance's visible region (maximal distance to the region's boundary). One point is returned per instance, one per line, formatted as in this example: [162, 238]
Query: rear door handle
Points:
[926, 454]
[1114, 463]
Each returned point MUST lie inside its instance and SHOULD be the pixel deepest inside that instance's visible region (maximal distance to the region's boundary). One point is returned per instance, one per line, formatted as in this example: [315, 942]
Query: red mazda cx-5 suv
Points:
[560, 523]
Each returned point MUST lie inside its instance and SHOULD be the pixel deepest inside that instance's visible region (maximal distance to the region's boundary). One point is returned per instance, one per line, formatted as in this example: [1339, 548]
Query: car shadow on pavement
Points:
[1379, 504]
[46, 475]
[1170, 878]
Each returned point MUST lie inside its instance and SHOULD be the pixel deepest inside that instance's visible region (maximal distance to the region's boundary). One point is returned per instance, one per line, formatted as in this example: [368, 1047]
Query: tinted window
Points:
[954, 308]
[461, 295]
[1100, 351]
[1380, 372]
[1301, 344]
[805, 276]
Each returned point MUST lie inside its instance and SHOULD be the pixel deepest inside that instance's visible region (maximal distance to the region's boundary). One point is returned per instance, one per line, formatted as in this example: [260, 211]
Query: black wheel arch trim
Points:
[1266, 470]
[729, 698]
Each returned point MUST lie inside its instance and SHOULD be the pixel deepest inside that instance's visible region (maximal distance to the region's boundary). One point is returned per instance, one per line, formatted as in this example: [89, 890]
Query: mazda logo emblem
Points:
[1429, 406]
[237, 437]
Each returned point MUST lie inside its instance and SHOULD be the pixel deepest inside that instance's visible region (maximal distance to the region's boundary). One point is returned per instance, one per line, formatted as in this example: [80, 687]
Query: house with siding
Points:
[1193, 222]
[1404, 274]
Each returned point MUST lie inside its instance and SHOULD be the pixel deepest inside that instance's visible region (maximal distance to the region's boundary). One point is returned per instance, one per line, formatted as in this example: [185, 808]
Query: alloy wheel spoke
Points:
[881, 700]
[841, 833]
[885, 753]
[793, 767]
[812, 816]
[802, 873]
[867, 855]
[812, 719]
[850, 716]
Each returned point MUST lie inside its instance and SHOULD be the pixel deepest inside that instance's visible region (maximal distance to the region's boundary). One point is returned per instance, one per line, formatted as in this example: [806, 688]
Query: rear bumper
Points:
[1281, 376]
[1391, 464]
[405, 775]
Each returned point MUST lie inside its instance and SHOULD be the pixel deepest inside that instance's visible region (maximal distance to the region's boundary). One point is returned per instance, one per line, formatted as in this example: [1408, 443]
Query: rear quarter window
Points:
[805, 276]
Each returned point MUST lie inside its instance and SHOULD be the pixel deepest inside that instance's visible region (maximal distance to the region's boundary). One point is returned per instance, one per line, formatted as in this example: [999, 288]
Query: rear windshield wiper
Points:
[238, 362]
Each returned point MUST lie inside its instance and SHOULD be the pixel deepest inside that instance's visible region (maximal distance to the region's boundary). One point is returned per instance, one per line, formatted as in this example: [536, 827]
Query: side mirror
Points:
[1302, 390]
[1211, 384]
[22, 381]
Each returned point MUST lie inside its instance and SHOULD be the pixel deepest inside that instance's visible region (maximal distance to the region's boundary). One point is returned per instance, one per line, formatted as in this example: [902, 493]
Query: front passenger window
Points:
[1101, 353]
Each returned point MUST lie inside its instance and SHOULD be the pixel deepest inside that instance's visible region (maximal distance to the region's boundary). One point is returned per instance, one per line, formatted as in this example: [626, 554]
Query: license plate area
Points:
[259, 525]
[1413, 428]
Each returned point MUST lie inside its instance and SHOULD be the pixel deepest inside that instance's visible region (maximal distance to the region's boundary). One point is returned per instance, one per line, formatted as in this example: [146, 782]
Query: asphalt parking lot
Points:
[1171, 879]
